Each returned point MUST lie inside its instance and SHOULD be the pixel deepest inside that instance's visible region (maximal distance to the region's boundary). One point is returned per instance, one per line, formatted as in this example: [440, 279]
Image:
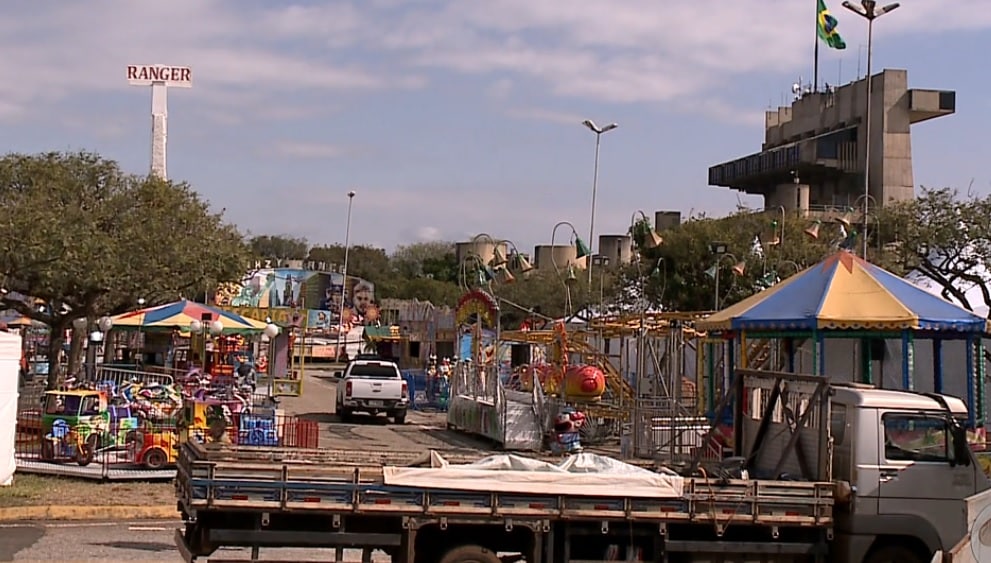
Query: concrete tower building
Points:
[814, 151]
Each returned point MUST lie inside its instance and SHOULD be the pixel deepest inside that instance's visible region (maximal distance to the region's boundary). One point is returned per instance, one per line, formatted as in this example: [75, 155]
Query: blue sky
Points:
[451, 118]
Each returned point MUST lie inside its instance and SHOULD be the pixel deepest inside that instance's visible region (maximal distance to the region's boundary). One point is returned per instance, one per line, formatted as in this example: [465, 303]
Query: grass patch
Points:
[43, 490]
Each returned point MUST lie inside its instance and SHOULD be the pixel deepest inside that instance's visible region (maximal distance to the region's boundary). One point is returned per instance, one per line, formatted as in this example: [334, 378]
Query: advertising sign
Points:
[171, 76]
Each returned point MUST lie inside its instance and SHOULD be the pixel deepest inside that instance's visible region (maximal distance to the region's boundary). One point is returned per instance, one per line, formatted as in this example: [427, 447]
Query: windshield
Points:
[374, 371]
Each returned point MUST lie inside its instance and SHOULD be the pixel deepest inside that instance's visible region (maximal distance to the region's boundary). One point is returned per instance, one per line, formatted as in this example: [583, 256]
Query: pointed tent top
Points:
[844, 292]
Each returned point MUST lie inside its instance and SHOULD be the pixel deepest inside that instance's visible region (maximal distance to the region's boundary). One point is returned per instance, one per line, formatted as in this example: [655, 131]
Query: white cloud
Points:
[427, 234]
[306, 150]
[549, 115]
[245, 56]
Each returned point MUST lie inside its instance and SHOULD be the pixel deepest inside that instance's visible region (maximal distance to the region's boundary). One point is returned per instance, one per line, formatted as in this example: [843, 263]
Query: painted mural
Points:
[306, 298]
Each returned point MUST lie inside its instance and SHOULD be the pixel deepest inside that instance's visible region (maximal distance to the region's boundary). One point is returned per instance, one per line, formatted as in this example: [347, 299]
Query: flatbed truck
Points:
[821, 481]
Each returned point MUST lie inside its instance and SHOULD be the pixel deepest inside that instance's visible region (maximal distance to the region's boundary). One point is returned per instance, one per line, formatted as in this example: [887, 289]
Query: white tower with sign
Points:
[160, 78]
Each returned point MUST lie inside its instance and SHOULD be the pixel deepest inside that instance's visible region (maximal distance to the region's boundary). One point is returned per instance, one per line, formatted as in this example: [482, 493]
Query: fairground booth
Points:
[854, 321]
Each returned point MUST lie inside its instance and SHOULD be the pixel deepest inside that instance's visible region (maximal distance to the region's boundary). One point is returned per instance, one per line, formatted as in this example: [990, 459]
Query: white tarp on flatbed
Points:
[581, 475]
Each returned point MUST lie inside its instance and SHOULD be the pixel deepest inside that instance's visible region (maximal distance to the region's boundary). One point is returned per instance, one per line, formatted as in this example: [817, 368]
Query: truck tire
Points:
[895, 554]
[400, 417]
[346, 415]
[156, 458]
[470, 554]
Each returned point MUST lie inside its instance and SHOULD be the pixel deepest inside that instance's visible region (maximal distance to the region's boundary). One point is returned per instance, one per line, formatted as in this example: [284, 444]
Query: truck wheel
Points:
[86, 453]
[894, 554]
[470, 554]
[346, 415]
[400, 417]
[155, 459]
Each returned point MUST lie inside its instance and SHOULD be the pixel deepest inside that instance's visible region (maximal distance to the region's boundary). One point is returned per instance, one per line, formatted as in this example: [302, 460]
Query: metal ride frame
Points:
[661, 421]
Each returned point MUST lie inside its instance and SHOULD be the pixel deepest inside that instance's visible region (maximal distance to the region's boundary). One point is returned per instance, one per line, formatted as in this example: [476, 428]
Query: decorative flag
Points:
[757, 249]
[827, 28]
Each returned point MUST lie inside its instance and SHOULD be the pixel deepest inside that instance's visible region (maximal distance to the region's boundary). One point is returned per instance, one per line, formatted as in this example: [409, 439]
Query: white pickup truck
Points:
[372, 386]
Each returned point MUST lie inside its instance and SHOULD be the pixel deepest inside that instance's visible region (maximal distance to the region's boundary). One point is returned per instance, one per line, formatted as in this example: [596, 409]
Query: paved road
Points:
[122, 541]
[422, 431]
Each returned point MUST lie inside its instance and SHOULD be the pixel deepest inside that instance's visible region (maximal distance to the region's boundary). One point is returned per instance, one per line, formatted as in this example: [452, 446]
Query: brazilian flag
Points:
[827, 28]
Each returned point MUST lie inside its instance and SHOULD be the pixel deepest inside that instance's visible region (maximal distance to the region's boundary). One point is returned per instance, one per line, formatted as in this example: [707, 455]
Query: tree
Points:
[678, 274]
[82, 238]
[945, 238]
[275, 247]
[542, 291]
[434, 260]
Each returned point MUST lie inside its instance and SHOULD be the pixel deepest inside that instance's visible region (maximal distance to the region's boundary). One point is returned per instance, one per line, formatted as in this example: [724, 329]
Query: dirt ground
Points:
[42, 490]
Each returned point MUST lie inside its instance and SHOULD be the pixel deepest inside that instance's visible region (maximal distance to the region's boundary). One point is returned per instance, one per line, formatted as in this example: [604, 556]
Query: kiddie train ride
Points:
[514, 405]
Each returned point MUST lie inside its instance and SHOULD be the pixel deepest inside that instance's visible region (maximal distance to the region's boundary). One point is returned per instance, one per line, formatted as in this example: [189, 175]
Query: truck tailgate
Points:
[376, 388]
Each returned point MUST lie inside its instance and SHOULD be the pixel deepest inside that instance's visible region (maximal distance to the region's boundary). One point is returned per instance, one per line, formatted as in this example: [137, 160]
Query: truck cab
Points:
[914, 482]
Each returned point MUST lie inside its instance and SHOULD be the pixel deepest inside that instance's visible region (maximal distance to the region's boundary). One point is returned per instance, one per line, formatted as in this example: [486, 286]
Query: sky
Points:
[454, 118]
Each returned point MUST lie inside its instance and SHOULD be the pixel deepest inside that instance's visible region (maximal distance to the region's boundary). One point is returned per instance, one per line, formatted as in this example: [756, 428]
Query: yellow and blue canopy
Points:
[844, 292]
[181, 314]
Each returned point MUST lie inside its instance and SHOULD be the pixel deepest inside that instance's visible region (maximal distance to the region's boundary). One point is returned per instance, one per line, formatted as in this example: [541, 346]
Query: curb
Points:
[13, 513]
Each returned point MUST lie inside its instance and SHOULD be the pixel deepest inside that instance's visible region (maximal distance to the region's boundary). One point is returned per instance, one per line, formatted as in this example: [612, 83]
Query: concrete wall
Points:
[617, 248]
[546, 256]
[483, 248]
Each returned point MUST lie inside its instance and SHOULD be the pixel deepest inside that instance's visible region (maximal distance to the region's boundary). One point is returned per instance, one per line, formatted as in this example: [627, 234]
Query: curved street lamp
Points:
[581, 251]
[738, 269]
[651, 238]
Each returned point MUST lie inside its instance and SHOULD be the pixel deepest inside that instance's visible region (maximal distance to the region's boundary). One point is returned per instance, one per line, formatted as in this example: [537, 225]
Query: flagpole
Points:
[815, 65]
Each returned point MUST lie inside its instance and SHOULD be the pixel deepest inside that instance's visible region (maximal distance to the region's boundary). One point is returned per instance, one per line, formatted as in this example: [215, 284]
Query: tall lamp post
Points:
[868, 10]
[344, 280]
[595, 183]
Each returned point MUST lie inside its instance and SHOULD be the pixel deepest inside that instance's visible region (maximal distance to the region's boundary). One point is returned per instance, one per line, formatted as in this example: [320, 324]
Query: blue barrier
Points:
[427, 393]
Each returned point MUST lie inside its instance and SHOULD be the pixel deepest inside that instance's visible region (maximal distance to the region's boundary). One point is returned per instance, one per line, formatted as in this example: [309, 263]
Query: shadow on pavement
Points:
[155, 546]
[17, 538]
[321, 417]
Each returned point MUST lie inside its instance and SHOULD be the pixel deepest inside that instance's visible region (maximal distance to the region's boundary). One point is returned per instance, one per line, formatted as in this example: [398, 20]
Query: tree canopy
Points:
[82, 238]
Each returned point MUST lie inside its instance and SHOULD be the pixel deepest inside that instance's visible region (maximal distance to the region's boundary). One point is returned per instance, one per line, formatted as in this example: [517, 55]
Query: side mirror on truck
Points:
[961, 449]
[338, 374]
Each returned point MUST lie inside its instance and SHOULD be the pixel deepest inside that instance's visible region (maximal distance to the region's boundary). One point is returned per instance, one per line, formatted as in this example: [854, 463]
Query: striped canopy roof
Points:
[844, 292]
[181, 313]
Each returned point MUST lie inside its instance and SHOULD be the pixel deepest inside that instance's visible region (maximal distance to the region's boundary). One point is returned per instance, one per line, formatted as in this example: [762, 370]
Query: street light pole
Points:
[595, 183]
[344, 280]
[868, 10]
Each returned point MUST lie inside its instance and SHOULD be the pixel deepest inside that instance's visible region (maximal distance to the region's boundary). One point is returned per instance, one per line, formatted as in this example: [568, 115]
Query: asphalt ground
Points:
[126, 541]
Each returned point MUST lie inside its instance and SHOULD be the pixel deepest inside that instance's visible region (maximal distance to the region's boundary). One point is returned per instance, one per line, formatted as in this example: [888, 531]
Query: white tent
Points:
[10, 356]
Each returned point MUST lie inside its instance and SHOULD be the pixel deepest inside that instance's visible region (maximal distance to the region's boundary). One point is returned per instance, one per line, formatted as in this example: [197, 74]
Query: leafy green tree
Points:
[434, 260]
[275, 247]
[946, 238]
[678, 274]
[542, 291]
[364, 261]
[83, 239]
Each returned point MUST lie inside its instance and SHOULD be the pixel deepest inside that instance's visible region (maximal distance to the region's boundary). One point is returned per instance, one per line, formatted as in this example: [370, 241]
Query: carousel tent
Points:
[181, 314]
[843, 306]
[845, 292]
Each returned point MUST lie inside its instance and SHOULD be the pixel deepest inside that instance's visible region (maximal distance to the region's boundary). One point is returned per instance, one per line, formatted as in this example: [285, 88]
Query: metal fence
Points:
[427, 393]
[99, 446]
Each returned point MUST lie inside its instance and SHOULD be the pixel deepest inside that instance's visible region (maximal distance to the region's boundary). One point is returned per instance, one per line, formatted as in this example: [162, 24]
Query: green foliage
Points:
[87, 239]
[433, 260]
[677, 274]
[274, 247]
[946, 238]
